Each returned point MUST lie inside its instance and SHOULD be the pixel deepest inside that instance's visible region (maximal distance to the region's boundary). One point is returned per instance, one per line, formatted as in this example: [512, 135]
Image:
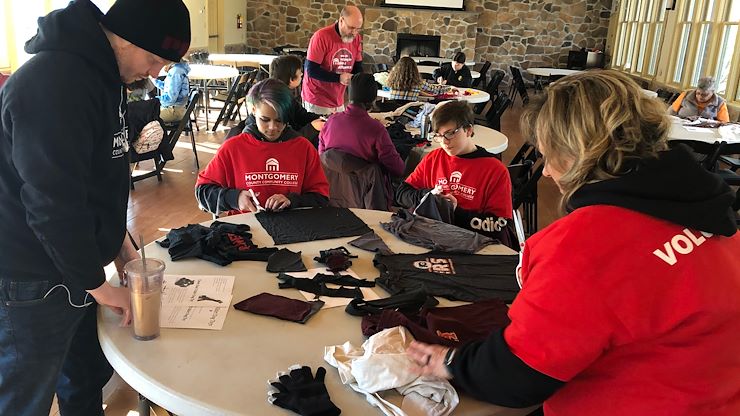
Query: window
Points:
[639, 38]
[702, 39]
[18, 22]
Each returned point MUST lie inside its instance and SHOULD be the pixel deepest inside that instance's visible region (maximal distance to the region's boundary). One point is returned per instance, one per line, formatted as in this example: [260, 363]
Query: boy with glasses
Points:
[474, 181]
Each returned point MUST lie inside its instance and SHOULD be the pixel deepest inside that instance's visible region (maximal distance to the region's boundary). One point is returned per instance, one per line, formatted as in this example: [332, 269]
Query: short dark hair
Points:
[458, 112]
[459, 58]
[284, 67]
[274, 93]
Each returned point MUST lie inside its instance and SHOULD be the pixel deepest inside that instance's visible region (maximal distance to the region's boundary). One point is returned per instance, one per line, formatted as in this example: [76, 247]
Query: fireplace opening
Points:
[416, 45]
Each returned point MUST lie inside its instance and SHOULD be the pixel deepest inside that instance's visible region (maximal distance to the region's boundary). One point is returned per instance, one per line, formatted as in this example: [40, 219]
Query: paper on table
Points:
[192, 317]
[198, 291]
[330, 302]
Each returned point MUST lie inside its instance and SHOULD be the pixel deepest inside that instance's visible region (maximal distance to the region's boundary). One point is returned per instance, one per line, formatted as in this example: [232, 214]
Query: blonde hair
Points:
[404, 76]
[594, 126]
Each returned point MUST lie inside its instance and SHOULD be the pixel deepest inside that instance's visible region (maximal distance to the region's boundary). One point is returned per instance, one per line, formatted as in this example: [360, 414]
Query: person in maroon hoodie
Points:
[630, 303]
[269, 160]
[353, 131]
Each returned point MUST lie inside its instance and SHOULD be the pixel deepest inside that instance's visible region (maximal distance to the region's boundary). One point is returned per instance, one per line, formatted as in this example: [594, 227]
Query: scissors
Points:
[256, 201]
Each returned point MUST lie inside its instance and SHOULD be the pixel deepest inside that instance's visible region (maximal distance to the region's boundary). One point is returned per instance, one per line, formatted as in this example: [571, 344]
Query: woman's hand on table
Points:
[277, 202]
[429, 359]
[245, 202]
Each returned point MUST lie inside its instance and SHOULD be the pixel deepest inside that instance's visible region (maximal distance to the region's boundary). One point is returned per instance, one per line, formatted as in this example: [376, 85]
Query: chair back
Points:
[519, 84]
[380, 68]
[499, 106]
[525, 171]
[483, 71]
[492, 89]
[174, 134]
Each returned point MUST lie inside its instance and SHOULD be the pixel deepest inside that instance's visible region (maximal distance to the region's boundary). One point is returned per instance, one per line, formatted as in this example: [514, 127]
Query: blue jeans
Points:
[46, 344]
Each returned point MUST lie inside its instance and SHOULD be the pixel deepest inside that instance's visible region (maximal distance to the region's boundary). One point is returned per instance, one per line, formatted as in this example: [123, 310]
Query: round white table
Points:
[203, 72]
[202, 372]
[729, 133]
[649, 93]
[242, 59]
[546, 72]
[428, 69]
[473, 96]
[440, 61]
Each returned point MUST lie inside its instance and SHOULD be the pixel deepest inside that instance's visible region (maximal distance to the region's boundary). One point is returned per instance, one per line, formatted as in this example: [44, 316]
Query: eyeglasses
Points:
[449, 135]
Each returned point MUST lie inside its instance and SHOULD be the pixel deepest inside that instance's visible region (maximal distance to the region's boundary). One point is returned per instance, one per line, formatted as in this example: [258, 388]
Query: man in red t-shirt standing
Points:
[334, 54]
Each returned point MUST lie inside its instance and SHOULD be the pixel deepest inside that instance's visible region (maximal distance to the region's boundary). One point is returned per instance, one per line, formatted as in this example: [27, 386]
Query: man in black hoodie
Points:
[64, 191]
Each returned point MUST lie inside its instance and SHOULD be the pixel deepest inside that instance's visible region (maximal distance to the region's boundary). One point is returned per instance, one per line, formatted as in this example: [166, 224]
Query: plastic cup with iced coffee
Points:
[144, 278]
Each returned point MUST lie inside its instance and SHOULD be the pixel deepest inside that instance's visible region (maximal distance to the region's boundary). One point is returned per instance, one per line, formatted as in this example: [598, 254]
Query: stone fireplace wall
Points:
[524, 33]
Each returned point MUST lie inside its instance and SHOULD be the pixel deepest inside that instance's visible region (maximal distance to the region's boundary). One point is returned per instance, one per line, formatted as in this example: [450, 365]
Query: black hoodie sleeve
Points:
[52, 153]
[489, 371]
[315, 71]
[301, 118]
[216, 199]
[408, 197]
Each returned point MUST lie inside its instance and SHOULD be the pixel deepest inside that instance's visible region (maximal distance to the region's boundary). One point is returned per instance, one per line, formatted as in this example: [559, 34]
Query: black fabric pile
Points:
[221, 243]
[317, 285]
[285, 260]
[434, 235]
[466, 277]
[371, 242]
[335, 259]
[451, 326]
[299, 225]
[408, 302]
[402, 139]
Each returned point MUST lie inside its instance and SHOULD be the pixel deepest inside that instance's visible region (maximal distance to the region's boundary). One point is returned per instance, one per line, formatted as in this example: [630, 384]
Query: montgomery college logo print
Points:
[272, 165]
[455, 176]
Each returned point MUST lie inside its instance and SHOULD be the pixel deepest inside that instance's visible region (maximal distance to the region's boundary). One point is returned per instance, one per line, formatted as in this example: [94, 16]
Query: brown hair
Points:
[404, 76]
[284, 67]
[458, 112]
[595, 125]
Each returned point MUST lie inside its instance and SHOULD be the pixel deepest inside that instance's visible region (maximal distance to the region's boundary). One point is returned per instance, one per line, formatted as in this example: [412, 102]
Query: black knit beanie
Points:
[363, 89]
[161, 27]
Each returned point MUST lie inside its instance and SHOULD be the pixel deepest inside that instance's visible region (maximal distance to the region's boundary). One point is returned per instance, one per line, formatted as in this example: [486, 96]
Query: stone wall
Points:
[524, 33]
[540, 32]
[457, 30]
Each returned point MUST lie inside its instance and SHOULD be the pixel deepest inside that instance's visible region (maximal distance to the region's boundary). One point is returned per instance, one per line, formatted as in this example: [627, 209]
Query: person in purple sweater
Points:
[353, 131]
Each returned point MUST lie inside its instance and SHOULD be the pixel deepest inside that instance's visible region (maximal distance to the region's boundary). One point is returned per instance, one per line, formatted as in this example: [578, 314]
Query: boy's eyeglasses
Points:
[449, 135]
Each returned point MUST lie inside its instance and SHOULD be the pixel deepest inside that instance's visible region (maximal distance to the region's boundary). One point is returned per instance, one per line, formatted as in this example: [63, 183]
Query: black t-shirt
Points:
[467, 277]
[299, 225]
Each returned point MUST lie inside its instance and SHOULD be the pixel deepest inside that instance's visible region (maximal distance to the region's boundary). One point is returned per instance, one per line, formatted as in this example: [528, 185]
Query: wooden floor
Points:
[156, 207]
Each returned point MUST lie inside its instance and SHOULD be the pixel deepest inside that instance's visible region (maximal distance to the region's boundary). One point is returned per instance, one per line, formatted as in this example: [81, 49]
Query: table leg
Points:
[207, 102]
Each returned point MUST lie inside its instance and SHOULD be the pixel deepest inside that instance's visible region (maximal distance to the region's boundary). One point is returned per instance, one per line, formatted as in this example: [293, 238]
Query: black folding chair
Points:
[185, 125]
[518, 86]
[481, 80]
[492, 89]
[497, 109]
[525, 171]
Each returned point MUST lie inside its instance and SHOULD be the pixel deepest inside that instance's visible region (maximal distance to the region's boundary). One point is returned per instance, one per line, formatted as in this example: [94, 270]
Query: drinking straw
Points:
[143, 259]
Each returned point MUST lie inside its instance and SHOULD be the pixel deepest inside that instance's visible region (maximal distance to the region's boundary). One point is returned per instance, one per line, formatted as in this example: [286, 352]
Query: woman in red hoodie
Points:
[268, 166]
[630, 303]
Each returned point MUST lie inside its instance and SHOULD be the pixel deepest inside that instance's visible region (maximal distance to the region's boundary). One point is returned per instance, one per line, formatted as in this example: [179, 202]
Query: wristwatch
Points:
[449, 356]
